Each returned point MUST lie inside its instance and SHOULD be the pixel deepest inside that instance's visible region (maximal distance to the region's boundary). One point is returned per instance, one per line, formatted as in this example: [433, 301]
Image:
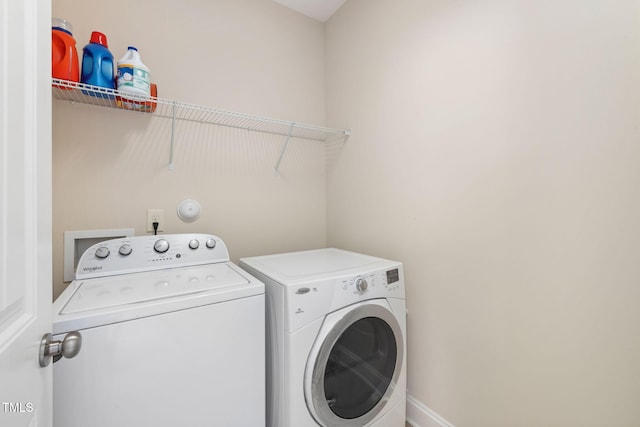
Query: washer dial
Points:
[102, 252]
[161, 246]
[125, 250]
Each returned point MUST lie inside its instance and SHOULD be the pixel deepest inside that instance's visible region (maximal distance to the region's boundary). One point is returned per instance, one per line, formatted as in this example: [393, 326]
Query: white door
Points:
[25, 210]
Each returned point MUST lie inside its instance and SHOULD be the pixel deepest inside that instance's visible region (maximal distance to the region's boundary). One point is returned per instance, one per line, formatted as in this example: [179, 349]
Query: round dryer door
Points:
[354, 364]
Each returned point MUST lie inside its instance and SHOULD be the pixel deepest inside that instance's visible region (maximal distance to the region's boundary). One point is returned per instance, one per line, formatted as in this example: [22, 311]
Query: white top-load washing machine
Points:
[172, 335]
[336, 338]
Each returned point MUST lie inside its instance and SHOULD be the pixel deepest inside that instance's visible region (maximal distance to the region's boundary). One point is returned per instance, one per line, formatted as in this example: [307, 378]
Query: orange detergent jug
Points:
[64, 56]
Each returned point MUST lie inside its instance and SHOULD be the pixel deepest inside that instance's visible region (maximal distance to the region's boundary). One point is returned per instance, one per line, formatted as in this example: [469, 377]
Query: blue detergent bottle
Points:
[97, 65]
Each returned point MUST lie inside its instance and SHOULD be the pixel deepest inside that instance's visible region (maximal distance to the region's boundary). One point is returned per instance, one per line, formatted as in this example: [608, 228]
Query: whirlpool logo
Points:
[92, 269]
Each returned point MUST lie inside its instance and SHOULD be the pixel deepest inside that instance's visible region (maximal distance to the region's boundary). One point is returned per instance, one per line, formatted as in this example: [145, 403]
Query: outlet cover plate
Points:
[155, 215]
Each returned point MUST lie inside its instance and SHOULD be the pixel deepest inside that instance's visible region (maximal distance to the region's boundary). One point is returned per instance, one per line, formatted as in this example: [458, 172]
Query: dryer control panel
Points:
[311, 301]
[375, 284]
[146, 253]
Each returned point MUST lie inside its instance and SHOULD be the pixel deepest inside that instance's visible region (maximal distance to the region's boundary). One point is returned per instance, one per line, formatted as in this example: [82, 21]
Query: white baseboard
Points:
[419, 415]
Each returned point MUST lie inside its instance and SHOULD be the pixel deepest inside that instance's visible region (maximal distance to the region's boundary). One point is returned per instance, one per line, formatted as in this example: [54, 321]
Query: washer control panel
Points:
[145, 253]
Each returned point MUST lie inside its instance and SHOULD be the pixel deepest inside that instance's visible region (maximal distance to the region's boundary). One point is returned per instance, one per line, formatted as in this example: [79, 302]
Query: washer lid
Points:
[126, 289]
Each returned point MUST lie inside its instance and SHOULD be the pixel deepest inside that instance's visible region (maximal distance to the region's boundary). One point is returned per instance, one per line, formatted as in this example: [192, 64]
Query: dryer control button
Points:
[210, 243]
[361, 284]
[194, 244]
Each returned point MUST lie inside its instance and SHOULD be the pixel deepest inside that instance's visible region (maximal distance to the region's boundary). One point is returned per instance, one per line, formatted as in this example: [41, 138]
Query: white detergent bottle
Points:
[133, 76]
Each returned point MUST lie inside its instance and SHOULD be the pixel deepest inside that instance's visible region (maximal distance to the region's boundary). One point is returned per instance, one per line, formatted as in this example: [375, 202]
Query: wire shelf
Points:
[175, 110]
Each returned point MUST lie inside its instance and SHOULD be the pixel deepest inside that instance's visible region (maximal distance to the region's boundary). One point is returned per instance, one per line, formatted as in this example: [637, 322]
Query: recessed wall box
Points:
[76, 242]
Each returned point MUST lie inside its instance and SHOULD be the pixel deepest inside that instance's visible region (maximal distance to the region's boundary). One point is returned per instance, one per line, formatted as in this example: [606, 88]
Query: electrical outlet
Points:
[155, 215]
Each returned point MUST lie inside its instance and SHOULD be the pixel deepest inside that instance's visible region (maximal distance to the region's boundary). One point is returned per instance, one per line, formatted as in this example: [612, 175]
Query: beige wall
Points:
[495, 151]
[251, 56]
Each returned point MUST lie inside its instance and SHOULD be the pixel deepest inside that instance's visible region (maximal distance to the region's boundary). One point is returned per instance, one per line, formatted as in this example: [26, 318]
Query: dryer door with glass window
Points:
[353, 366]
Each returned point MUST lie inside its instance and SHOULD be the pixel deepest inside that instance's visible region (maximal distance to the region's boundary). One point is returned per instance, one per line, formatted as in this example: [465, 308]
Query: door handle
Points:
[69, 347]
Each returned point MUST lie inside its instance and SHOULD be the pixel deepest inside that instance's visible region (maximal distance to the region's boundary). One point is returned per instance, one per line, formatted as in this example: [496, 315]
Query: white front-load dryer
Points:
[336, 338]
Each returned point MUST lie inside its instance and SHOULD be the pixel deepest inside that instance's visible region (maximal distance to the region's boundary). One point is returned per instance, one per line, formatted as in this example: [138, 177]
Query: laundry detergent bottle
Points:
[97, 63]
[64, 56]
[133, 76]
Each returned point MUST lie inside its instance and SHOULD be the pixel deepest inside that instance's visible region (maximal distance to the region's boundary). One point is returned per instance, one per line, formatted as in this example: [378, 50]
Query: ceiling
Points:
[317, 9]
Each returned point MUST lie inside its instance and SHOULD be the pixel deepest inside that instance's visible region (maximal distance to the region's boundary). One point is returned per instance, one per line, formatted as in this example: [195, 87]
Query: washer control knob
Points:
[194, 244]
[125, 250]
[102, 252]
[211, 243]
[161, 246]
[361, 285]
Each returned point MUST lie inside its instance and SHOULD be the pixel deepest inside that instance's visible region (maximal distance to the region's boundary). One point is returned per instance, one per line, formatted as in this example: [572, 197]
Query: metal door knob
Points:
[69, 347]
